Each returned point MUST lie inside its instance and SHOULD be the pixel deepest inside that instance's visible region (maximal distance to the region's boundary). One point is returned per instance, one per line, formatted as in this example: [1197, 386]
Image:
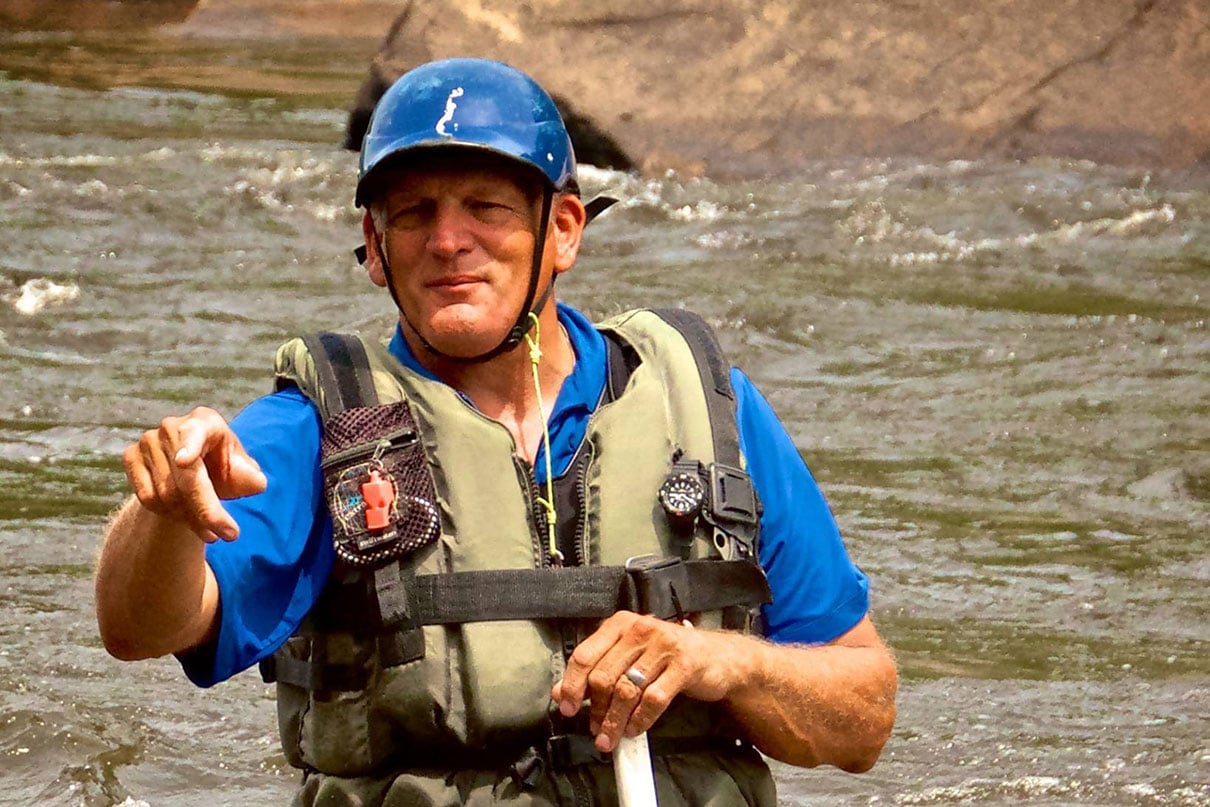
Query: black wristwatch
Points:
[682, 496]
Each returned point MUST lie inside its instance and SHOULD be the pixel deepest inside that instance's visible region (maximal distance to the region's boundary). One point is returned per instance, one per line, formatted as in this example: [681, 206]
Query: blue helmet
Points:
[467, 103]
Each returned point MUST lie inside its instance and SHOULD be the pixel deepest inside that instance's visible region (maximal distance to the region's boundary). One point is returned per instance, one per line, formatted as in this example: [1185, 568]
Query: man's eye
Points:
[490, 211]
[407, 216]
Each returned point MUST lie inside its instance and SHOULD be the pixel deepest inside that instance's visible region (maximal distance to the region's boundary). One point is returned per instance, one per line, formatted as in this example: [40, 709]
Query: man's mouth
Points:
[454, 281]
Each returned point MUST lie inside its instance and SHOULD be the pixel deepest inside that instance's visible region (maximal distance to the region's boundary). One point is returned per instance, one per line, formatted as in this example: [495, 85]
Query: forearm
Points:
[155, 594]
[832, 704]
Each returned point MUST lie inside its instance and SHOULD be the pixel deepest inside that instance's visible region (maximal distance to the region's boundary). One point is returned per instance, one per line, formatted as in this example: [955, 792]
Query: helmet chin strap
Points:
[523, 322]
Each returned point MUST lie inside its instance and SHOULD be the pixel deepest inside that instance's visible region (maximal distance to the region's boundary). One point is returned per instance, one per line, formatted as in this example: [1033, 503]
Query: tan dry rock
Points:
[755, 87]
[758, 86]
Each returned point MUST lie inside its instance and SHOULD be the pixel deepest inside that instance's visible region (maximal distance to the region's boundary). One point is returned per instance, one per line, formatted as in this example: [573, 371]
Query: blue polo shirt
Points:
[271, 576]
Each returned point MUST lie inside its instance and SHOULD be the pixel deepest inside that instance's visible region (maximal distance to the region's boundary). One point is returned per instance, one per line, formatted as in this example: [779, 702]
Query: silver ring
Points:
[635, 676]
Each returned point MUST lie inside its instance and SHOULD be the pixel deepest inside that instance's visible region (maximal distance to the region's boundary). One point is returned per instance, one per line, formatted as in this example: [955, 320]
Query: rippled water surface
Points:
[999, 372]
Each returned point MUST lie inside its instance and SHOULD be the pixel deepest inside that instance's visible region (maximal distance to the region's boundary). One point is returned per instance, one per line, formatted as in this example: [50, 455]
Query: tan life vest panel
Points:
[465, 690]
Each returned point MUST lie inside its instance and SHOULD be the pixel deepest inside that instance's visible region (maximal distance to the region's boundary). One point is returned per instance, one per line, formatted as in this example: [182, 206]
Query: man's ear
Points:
[567, 221]
[373, 264]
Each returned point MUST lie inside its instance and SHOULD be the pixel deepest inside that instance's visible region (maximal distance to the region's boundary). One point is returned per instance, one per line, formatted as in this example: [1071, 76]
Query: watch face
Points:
[682, 495]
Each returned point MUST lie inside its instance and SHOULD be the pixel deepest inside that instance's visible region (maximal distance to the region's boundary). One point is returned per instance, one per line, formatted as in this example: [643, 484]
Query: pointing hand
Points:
[183, 470]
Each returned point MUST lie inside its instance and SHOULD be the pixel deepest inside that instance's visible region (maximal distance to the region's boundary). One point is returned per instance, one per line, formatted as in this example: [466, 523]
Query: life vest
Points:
[423, 674]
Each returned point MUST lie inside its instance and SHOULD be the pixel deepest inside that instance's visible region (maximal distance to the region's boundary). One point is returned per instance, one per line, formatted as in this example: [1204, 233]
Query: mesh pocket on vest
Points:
[379, 489]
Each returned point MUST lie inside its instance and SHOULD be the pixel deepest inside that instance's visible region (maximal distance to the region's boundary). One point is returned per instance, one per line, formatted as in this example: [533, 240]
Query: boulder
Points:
[751, 88]
[758, 87]
[90, 15]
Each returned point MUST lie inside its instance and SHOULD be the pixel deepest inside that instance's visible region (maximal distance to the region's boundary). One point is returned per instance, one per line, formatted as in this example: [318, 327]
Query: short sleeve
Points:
[271, 576]
[818, 593]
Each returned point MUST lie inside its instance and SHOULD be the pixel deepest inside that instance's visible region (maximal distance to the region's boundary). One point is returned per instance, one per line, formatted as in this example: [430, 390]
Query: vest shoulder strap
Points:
[342, 372]
[731, 504]
[715, 373]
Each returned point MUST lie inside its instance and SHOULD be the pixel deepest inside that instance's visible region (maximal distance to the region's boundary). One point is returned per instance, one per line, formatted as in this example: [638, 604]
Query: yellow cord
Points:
[535, 354]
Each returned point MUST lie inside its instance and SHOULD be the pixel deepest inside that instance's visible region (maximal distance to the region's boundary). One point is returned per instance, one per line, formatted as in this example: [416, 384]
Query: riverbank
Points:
[755, 87]
[759, 87]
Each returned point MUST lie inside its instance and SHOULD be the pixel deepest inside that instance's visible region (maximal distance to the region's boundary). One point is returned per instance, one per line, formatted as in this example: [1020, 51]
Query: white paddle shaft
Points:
[633, 772]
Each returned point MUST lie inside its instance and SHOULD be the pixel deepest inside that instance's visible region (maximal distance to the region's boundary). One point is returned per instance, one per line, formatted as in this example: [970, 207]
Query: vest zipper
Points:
[537, 512]
[401, 438]
[582, 497]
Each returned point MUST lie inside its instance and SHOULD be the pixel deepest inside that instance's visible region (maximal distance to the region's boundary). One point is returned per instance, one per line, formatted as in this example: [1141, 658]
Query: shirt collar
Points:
[582, 388]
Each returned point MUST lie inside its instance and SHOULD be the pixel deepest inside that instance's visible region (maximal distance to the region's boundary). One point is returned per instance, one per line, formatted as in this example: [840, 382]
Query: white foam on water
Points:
[162, 153]
[93, 187]
[722, 239]
[266, 199]
[41, 293]
[69, 161]
[324, 212]
[870, 223]
[649, 195]
[665, 194]
[704, 210]
[216, 152]
[590, 176]
[1138, 222]
[289, 171]
[292, 181]
[977, 790]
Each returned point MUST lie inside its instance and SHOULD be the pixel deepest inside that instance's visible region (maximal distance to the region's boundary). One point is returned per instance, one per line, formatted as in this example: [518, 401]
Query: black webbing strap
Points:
[284, 668]
[620, 363]
[393, 649]
[596, 206]
[588, 592]
[572, 592]
[393, 585]
[716, 380]
[670, 587]
[732, 506]
[665, 591]
[343, 371]
[664, 588]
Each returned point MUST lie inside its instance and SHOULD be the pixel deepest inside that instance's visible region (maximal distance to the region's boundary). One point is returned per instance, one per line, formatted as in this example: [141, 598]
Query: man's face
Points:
[460, 244]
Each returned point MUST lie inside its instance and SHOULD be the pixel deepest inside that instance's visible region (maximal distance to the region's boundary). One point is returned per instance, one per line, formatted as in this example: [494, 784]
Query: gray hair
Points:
[378, 214]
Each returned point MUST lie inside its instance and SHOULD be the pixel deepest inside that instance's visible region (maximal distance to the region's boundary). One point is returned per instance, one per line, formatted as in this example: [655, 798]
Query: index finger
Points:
[202, 502]
[572, 689]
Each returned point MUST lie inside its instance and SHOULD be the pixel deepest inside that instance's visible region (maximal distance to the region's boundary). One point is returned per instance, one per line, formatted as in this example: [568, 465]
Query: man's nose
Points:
[450, 233]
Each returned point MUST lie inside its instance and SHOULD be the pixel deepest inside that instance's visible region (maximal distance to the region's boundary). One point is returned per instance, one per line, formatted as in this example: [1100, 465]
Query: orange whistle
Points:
[379, 495]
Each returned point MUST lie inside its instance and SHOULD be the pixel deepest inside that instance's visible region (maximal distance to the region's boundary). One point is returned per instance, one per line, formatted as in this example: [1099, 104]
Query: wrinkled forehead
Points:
[435, 168]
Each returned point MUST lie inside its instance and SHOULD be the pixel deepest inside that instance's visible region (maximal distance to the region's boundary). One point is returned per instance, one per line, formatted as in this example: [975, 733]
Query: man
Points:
[475, 559]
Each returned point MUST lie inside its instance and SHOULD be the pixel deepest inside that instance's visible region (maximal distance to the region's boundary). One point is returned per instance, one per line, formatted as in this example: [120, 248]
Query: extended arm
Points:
[155, 594]
[830, 704]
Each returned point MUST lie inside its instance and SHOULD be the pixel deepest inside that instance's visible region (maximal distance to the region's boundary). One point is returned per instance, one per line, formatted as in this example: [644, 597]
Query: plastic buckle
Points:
[528, 768]
[644, 563]
[565, 751]
[732, 497]
[656, 582]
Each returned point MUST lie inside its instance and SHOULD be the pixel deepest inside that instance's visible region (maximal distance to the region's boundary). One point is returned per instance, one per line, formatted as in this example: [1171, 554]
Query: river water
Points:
[999, 372]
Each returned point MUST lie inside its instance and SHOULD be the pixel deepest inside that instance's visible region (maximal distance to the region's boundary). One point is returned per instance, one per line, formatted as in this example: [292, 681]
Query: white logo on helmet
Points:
[448, 115]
